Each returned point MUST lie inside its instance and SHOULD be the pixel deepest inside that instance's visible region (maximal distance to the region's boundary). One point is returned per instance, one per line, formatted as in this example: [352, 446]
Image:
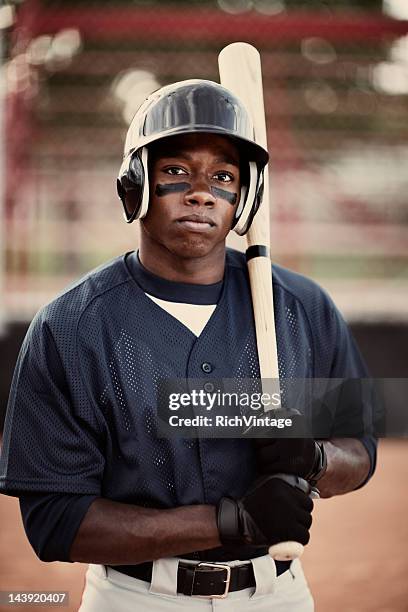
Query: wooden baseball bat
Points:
[241, 73]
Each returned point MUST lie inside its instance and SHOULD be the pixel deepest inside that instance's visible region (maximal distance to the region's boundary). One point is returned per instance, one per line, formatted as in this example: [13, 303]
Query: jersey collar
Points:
[169, 290]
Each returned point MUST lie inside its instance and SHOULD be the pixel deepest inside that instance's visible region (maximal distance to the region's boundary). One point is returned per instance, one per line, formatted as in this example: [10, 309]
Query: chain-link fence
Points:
[336, 97]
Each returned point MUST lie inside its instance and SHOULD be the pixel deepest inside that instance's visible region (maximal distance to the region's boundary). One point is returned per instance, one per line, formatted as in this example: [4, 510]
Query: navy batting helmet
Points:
[194, 106]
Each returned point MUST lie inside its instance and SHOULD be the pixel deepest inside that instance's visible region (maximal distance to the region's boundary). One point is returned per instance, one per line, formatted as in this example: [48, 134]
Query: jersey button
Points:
[206, 367]
[208, 387]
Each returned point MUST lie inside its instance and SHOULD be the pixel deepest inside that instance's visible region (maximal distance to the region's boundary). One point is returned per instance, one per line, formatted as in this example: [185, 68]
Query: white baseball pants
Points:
[107, 590]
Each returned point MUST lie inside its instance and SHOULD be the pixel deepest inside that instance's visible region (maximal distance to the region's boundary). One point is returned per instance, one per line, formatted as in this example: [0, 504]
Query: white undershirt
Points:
[193, 316]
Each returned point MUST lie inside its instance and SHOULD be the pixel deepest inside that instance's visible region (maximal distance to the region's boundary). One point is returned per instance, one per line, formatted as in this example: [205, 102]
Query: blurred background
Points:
[73, 73]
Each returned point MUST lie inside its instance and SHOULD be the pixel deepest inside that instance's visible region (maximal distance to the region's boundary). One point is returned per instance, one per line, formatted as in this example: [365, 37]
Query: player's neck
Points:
[204, 270]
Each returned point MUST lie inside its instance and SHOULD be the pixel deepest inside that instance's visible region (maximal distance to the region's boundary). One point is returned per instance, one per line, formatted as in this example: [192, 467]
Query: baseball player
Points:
[174, 523]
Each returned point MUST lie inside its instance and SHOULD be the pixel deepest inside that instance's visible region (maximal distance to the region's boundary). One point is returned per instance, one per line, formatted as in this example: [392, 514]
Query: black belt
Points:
[202, 579]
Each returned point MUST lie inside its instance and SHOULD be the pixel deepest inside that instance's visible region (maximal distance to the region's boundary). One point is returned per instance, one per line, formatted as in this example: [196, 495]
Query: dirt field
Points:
[357, 560]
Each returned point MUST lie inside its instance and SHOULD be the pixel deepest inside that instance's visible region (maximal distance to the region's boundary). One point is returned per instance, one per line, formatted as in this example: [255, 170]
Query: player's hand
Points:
[298, 456]
[272, 511]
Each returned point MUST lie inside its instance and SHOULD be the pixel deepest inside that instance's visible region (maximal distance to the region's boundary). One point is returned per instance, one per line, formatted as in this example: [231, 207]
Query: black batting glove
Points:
[301, 456]
[298, 456]
[272, 511]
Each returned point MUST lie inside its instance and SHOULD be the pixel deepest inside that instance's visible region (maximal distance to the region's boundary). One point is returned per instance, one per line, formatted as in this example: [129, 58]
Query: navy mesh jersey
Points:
[82, 408]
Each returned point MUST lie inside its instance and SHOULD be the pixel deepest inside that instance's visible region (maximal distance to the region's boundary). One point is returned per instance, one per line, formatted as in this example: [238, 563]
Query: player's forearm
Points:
[348, 465]
[113, 533]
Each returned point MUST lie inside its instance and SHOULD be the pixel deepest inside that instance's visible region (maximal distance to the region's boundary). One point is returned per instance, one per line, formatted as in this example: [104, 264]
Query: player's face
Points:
[194, 184]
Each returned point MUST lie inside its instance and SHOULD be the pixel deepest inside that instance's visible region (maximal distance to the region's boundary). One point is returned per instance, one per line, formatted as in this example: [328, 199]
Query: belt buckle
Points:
[214, 567]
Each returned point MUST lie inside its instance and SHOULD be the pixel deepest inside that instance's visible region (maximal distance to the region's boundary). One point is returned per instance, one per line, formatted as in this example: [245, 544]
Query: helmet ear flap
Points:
[145, 195]
[249, 202]
[132, 186]
[257, 201]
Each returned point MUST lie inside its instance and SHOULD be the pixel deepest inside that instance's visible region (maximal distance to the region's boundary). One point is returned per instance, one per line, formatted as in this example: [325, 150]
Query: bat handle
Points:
[287, 551]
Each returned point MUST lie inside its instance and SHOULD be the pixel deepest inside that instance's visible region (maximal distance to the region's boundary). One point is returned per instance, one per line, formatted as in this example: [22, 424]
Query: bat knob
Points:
[286, 551]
